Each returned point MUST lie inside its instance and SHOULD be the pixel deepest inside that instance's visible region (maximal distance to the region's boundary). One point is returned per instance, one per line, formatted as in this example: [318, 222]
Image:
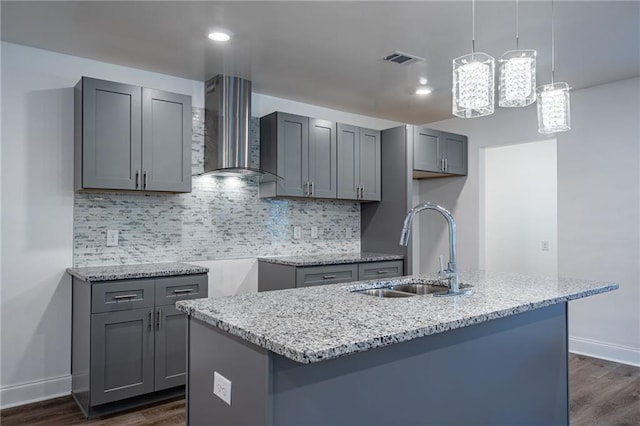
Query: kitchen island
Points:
[329, 355]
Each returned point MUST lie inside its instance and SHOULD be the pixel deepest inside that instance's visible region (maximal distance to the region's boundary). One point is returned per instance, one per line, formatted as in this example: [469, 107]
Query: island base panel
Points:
[511, 370]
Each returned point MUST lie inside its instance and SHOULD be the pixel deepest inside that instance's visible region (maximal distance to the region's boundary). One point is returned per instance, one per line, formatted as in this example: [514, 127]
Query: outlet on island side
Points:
[222, 387]
[545, 245]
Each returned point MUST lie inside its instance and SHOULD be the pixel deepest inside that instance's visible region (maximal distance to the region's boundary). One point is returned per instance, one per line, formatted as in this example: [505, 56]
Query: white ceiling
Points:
[329, 53]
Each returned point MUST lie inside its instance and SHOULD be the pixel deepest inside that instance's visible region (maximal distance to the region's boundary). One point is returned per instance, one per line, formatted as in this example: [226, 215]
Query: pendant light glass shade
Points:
[473, 85]
[517, 78]
[553, 108]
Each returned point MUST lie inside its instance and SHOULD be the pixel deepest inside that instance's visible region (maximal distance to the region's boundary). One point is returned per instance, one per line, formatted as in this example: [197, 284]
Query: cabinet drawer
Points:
[375, 270]
[171, 289]
[331, 274]
[122, 295]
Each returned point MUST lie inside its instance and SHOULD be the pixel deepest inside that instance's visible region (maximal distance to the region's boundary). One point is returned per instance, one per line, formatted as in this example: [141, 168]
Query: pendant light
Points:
[473, 81]
[553, 99]
[517, 75]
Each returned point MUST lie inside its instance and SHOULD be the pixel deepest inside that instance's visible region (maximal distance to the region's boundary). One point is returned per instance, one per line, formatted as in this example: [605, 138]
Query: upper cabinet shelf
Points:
[316, 158]
[131, 138]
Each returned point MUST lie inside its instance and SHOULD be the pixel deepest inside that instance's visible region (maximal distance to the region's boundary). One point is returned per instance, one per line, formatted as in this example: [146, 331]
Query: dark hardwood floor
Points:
[603, 393]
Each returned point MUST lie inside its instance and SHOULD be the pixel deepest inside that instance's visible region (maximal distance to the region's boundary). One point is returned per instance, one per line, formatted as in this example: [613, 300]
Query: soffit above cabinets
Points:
[330, 53]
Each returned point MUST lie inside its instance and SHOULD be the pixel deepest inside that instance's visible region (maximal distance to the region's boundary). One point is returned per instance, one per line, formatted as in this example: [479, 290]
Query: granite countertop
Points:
[317, 323]
[142, 270]
[330, 259]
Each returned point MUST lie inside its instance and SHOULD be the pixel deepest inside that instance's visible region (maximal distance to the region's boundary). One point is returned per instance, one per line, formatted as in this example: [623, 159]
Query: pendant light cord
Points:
[473, 26]
[517, 29]
[553, 43]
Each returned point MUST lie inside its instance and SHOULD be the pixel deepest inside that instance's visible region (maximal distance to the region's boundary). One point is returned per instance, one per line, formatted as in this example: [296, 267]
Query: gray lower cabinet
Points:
[438, 153]
[301, 151]
[129, 341]
[358, 163]
[274, 276]
[131, 138]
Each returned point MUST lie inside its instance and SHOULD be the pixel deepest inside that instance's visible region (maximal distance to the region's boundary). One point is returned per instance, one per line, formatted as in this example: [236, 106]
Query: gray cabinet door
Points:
[322, 158]
[369, 169]
[455, 153]
[171, 347]
[121, 355]
[111, 135]
[166, 141]
[293, 154]
[348, 146]
[427, 150]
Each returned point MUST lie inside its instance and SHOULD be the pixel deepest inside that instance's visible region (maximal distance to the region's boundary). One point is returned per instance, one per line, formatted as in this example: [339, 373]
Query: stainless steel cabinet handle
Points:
[125, 296]
[446, 164]
[311, 189]
[305, 192]
[382, 272]
[144, 180]
[362, 192]
[186, 290]
[150, 321]
[158, 319]
[442, 164]
[328, 277]
[137, 179]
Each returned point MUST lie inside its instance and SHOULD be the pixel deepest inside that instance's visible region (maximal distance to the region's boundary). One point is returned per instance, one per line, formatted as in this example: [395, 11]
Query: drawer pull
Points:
[158, 320]
[150, 321]
[382, 272]
[328, 277]
[125, 296]
[184, 290]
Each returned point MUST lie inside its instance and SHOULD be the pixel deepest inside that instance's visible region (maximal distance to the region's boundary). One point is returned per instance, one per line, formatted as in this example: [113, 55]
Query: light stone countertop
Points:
[142, 270]
[330, 259]
[317, 323]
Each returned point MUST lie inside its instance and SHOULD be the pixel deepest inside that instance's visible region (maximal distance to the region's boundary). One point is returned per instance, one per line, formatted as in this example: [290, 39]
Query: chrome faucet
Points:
[451, 273]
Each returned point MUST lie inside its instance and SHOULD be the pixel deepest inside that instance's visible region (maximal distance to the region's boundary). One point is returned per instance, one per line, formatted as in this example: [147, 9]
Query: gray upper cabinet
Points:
[438, 153]
[301, 151]
[131, 138]
[358, 163]
[166, 141]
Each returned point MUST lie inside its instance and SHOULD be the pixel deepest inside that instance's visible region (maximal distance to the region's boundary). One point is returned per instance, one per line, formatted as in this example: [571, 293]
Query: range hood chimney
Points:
[227, 149]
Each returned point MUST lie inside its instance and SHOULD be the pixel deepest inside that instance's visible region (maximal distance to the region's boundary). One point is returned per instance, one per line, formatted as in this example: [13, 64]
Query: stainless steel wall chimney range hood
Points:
[227, 149]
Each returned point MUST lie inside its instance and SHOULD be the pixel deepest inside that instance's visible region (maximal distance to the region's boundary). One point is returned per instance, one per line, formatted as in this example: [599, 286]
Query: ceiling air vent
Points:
[402, 58]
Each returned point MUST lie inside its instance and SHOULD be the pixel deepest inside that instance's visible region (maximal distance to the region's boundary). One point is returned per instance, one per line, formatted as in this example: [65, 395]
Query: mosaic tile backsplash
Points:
[222, 218]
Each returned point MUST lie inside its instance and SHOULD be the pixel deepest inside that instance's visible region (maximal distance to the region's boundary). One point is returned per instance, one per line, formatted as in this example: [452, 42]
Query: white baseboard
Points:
[604, 350]
[38, 390]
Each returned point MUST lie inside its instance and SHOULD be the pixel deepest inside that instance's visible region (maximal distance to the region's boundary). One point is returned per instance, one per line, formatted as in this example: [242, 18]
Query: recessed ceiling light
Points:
[220, 36]
[423, 90]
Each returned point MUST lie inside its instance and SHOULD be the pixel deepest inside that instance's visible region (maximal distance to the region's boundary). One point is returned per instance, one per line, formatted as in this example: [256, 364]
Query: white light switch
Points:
[112, 238]
[545, 246]
[314, 232]
[296, 232]
[222, 387]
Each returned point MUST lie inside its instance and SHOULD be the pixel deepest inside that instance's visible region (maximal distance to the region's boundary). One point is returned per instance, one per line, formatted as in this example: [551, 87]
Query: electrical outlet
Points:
[222, 387]
[545, 246]
[314, 232]
[348, 232]
[296, 232]
[112, 238]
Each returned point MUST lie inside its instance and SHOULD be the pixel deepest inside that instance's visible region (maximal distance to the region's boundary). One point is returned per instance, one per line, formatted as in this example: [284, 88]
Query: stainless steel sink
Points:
[408, 290]
[384, 292]
[424, 288]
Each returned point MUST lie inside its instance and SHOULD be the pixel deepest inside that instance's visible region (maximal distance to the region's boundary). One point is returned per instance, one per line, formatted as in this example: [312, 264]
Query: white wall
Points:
[37, 209]
[521, 208]
[598, 207]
